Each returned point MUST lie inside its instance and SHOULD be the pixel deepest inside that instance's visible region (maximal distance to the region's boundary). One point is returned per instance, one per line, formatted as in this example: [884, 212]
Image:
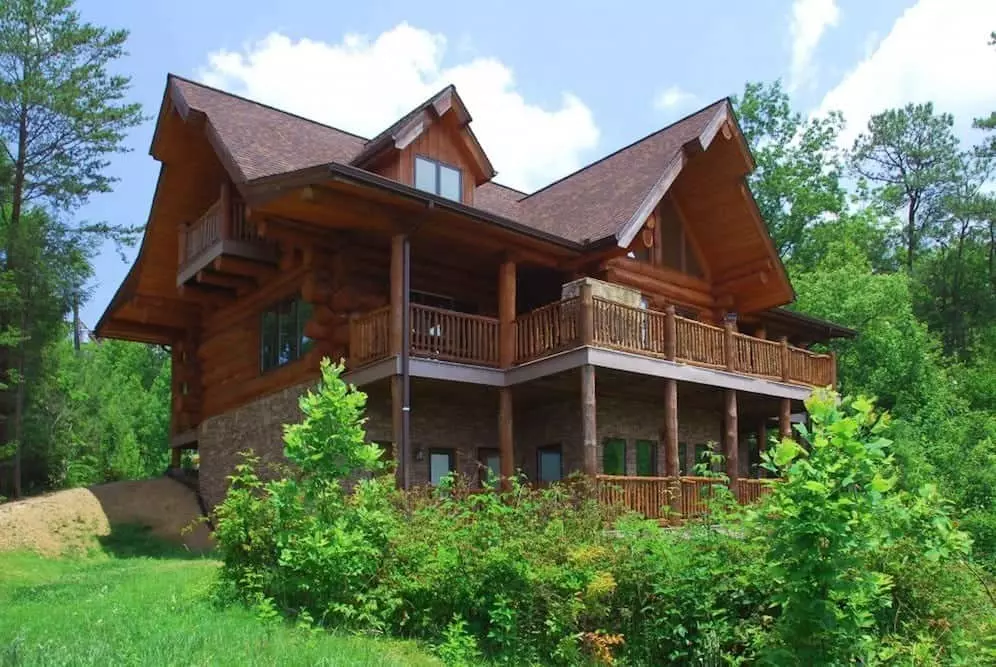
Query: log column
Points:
[762, 440]
[671, 464]
[588, 426]
[506, 355]
[731, 444]
[785, 418]
[397, 292]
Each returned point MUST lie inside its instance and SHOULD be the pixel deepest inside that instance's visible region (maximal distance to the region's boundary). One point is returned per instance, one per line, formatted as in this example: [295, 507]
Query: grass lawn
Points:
[121, 607]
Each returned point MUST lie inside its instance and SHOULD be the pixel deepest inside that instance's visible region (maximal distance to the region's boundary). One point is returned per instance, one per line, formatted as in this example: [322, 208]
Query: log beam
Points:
[506, 314]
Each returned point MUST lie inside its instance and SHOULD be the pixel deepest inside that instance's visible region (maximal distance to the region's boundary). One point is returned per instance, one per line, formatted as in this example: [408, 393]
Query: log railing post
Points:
[785, 359]
[226, 211]
[670, 333]
[587, 315]
[729, 345]
[785, 418]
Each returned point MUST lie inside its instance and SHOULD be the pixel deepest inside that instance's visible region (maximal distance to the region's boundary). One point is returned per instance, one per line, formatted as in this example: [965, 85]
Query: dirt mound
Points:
[75, 519]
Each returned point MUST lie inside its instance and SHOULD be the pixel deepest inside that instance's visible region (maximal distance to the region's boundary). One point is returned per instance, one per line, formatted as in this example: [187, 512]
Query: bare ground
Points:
[76, 519]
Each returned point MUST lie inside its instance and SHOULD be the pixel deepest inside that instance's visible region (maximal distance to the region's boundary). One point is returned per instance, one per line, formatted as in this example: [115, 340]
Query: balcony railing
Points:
[664, 497]
[222, 229]
[447, 335]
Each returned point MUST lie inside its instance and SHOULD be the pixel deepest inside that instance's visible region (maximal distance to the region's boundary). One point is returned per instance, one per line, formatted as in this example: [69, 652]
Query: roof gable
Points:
[445, 106]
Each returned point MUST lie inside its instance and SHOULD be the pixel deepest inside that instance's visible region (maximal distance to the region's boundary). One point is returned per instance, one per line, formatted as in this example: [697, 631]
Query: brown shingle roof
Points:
[264, 141]
[590, 204]
[594, 202]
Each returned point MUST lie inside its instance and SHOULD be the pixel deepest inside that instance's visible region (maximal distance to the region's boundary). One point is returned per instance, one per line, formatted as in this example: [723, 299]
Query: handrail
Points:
[369, 336]
[700, 343]
[202, 233]
[627, 328]
[547, 330]
[448, 335]
[757, 356]
[686, 496]
[810, 368]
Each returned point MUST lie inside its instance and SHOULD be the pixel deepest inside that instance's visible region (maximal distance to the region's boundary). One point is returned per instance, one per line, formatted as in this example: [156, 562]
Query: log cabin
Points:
[616, 322]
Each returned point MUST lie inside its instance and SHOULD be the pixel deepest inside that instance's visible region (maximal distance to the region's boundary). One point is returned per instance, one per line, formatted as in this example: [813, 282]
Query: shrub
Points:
[835, 566]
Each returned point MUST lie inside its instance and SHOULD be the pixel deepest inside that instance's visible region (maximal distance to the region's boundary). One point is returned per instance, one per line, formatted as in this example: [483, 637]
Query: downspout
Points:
[406, 335]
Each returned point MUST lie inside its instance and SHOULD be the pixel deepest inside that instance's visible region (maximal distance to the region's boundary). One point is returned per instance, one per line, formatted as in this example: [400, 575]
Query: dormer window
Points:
[437, 178]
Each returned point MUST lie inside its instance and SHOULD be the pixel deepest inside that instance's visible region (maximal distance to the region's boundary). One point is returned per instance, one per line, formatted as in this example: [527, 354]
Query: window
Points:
[282, 338]
[646, 458]
[550, 463]
[441, 463]
[614, 456]
[437, 178]
[490, 461]
[676, 251]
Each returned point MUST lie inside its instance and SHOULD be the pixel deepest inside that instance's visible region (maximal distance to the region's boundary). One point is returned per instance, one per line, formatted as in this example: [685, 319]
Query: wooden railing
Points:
[659, 497]
[626, 328]
[369, 336]
[758, 357]
[437, 333]
[448, 335]
[700, 343]
[201, 234]
[809, 368]
[751, 490]
[547, 330]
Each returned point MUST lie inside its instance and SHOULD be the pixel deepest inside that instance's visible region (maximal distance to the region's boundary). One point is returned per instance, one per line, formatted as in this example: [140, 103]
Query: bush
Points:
[835, 566]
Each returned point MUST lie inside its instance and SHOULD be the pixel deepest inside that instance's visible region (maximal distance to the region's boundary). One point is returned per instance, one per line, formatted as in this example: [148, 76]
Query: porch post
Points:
[671, 465]
[762, 440]
[731, 446]
[506, 453]
[785, 418]
[588, 428]
[174, 457]
[506, 314]
[397, 292]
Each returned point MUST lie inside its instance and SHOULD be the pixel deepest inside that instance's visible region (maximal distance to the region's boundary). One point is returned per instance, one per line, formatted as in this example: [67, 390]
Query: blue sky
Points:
[551, 85]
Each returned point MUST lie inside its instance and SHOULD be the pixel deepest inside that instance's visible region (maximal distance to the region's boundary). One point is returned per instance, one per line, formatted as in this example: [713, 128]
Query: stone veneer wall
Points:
[257, 426]
[462, 417]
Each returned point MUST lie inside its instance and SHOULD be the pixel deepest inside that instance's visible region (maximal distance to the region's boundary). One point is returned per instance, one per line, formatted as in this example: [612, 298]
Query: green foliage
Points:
[98, 415]
[550, 576]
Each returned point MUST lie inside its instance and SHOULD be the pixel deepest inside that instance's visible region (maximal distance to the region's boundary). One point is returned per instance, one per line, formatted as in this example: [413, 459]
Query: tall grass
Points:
[121, 607]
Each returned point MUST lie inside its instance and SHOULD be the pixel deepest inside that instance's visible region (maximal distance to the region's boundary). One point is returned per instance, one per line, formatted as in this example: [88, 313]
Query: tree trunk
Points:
[13, 248]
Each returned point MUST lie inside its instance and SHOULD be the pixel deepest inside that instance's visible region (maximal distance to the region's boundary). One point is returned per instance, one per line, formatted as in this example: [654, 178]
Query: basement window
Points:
[437, 178]
[282, 339]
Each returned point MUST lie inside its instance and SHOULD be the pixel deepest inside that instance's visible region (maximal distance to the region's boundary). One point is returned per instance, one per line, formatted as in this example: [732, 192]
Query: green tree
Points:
[61, 114]
[911, 157]
[797, 180]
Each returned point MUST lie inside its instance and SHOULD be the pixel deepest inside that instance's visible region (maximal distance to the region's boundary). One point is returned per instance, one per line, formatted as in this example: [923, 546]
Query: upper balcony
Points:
[587, 320]
[222, 249]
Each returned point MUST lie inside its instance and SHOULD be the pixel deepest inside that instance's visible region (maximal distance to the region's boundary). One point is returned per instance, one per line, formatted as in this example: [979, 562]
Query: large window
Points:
[646, 458]
[614, 456]
[550, 463]
[437, 178]
[282, 338]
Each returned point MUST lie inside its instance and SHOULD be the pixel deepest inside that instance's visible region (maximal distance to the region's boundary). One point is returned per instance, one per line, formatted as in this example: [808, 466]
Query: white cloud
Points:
[936, 51]
[673, 98]
[810, 19]
[363, 85]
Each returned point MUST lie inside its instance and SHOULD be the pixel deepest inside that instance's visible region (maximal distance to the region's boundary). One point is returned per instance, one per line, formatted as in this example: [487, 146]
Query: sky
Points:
[551, 85]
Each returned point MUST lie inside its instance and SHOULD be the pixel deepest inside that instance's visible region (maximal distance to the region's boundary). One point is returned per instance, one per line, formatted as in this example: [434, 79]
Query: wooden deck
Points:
[571, 323]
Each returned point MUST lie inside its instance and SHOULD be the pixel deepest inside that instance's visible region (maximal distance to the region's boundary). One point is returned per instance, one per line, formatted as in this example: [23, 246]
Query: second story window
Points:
[281, 335]
[437, 178]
